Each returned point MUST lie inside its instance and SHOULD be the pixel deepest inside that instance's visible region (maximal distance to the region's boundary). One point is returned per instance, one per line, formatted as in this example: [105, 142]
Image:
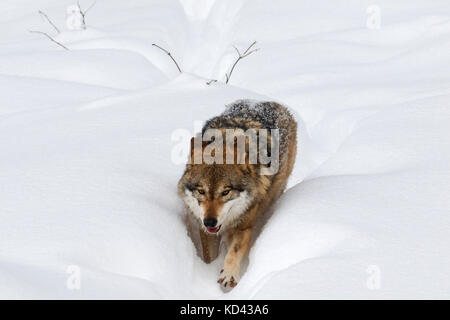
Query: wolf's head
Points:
[219, 194]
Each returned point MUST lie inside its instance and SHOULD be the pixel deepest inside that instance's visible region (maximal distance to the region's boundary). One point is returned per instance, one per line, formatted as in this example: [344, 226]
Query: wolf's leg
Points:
[210, 246]
[238, 245]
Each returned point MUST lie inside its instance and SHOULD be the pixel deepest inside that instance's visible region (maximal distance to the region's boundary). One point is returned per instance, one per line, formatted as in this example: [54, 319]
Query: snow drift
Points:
[86, 174]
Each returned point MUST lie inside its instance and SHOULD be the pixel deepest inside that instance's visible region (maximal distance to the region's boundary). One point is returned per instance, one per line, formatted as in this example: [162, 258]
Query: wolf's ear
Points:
[192, 145]
[241, 150]
[246, 146]
[247, 150]
[196, 152]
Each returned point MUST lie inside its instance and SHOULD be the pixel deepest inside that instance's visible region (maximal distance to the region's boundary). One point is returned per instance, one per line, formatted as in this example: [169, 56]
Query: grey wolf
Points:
[227, 199]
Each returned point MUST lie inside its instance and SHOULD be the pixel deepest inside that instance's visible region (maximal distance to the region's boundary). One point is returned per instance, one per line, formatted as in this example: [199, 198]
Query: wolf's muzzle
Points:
[210, 222]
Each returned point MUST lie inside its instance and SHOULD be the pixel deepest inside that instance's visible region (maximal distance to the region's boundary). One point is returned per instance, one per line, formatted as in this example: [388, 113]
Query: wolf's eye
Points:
[201, 191]
[224, 193]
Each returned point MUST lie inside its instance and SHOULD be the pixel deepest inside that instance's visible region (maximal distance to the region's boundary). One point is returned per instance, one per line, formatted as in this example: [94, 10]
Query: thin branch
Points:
[83, 16]
[45, 34]
[211, 81]
[237, 50]
[49, 21]
[250, 48]
[93, 4]
[240, 57]
[247, 54]
[83, 13]
[169, 54]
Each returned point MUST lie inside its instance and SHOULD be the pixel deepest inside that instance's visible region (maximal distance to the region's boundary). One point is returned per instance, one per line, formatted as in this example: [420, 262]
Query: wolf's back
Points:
[252, 114]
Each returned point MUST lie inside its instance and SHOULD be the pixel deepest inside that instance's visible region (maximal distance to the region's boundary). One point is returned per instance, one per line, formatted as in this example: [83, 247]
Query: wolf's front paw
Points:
[228, 278]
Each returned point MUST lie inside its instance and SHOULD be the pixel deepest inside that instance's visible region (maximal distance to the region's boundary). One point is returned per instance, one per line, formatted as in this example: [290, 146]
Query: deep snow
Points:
[86, 174]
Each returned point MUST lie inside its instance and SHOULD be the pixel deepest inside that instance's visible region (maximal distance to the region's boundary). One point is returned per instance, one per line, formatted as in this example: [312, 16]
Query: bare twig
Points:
[45, 34]
[49, 21]
[169, 54]
[211, 81]
[83, 13]
[246, 53]
[90, 7]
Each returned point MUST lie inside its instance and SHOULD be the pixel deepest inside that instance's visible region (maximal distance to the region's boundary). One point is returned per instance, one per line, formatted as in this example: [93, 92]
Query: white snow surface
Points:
[87, 180]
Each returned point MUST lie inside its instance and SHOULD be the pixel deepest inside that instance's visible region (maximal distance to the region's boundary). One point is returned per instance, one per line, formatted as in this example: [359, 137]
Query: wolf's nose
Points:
[210, 222]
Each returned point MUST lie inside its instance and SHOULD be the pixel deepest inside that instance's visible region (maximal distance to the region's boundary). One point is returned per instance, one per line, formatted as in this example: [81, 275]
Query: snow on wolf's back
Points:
[247, 114]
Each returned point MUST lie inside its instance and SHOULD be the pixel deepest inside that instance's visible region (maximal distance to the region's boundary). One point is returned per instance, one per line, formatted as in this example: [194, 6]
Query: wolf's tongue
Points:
[213, 230]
